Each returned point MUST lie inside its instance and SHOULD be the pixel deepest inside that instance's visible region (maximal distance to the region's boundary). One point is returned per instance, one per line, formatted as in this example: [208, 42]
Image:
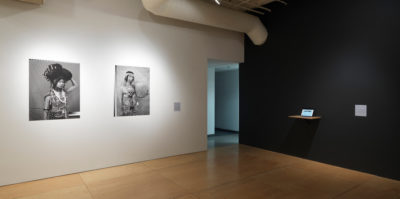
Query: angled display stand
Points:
[305, 118]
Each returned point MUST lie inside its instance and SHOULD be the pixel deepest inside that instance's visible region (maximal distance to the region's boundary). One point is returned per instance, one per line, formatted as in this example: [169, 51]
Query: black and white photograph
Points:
[53, 90]
[132, 91]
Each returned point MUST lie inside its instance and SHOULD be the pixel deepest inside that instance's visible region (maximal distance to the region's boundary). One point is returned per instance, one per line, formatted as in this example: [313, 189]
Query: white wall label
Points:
[360, 110]
[177, 106]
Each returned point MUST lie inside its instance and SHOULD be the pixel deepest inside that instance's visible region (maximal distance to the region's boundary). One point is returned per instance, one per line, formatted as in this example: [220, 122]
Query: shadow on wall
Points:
[300, 137]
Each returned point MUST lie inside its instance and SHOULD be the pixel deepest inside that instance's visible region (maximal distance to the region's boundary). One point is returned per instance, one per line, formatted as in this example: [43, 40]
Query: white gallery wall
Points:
[100, 34]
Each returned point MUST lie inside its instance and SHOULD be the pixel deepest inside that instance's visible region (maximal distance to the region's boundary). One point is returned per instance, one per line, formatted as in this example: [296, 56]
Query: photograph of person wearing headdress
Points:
[132, 95]
[53, 90]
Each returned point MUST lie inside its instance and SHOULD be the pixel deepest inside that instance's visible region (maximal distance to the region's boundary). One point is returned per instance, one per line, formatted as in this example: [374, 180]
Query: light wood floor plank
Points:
[197, 176]
[145, 185]
[375, 187]
[91, 177]
[40, 186]
[175, 160]
[233, 172]
[190, 196]
[79, 192]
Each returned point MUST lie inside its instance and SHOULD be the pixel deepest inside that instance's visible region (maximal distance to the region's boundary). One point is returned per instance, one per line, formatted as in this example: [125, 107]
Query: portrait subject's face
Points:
[130, 78]
[60, 83]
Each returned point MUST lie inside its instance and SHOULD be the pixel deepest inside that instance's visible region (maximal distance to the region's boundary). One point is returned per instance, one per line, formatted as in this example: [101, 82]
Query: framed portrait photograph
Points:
[54, 92]
[132, 91]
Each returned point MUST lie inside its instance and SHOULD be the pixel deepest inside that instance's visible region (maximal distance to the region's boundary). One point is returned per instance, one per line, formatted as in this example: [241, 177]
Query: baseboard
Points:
[227, 130]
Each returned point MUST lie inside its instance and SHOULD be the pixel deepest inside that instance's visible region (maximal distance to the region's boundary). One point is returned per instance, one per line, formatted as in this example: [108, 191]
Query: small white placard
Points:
[360, 110]
[177, 106]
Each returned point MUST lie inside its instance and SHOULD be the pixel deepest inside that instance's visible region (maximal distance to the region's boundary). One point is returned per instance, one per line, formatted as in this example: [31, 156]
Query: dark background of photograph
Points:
[142, 82]
[39, 87]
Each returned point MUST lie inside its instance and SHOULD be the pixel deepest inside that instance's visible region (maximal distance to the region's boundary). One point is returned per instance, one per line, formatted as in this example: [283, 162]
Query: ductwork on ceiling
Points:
[39, 2]
[200, 12]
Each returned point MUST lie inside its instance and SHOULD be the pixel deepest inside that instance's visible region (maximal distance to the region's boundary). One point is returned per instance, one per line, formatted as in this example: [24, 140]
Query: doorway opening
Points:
[222, 103]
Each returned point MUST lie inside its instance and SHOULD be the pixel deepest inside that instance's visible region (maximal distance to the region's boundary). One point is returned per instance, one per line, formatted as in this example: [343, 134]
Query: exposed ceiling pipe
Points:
[200, 12]
[39, 2]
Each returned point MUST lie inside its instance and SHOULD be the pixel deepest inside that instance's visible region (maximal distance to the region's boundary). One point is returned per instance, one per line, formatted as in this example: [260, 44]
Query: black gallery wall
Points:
[330, 56]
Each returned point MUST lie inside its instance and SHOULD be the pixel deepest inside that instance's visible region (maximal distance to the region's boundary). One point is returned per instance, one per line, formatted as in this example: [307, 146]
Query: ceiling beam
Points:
[38, 2]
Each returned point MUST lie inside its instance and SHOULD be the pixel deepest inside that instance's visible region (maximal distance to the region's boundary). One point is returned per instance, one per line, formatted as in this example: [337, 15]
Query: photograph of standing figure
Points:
[132, 95]
[53, 90]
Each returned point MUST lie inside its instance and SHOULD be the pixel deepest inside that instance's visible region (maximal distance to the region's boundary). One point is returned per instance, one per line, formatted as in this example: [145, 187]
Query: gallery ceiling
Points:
[221, 66]
[231, 15]
[33, 1]
[252, 6]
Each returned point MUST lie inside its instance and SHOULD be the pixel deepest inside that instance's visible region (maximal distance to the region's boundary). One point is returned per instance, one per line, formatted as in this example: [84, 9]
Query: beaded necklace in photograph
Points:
[60, 96]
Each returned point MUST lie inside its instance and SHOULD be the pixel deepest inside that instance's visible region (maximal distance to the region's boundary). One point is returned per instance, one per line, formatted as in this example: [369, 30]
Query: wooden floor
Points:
[236, 171]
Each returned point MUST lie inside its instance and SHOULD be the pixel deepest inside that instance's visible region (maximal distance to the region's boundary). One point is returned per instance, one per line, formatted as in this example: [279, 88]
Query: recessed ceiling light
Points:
[217, 1]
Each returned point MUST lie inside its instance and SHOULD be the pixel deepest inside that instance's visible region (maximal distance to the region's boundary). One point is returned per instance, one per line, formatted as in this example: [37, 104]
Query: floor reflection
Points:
[222, 138]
